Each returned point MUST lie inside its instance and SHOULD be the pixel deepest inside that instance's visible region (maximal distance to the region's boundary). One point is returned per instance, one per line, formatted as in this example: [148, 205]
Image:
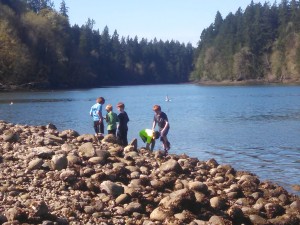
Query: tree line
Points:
[261, 43]
[39, 47]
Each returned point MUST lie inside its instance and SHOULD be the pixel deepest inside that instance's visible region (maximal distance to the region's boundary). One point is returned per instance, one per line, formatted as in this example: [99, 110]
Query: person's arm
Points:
[99, 112]
[153, 125]
[106, 118]
[119, 117]
[165, 127]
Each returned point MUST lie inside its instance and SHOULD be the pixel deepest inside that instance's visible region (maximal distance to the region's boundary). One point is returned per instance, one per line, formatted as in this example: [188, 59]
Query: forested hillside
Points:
[260, 43]
[39, 48]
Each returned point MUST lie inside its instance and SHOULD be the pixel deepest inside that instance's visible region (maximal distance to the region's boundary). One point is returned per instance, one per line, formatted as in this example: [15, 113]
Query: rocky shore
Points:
[50, 177]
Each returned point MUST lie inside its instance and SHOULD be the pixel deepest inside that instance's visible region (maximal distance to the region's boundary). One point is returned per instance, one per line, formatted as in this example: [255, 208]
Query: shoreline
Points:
[248, 83]
[44, 87]
[61, 177]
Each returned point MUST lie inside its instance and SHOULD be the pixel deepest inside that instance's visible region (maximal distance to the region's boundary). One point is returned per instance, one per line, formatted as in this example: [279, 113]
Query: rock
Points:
[273, 210]
[44, 152]
[129, 148]
[216, 220]
[68, 176]
[35, 164]
[59, 162]
[133, 207]
[296, 187]
[87, 150]
[217, 202]
[10, 136]
[160, 214]
[15, 213]
[52, 139]
[111, 188]
[110, 138]
[198, 186]
[212, 163]
[296, 205]
[171, 165]
[86, 138]
[258, 220]
[103, 154]
[73, 159]
[97, 160]
[40, 208]
[123, 198]
[51, 126]
[134, 144]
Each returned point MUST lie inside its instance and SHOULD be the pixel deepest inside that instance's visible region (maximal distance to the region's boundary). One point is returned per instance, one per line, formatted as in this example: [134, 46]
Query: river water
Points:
[253, 128]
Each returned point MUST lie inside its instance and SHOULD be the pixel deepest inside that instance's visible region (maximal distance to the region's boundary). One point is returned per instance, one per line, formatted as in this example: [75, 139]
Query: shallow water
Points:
[254, 128]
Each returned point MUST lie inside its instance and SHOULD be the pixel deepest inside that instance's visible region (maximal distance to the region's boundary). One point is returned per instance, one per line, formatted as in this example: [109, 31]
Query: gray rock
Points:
[59, 162]
[198, 186]
[10, 136]
[35, 164]
[133, 207]
[97, 160]
[87, 150]
[111, 188]
[123, 198]
[258, 220]
[68, 176]
[217, 202]
[171, 166]
[15, 214]
[296, 205]
[160, 214]
[134, 144]
[110, 138]
[40, 208]
[216, 220]
[73, 159]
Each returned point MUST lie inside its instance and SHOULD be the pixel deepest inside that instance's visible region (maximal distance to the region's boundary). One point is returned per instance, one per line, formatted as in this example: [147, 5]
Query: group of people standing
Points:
[114, 122]
[117, 124]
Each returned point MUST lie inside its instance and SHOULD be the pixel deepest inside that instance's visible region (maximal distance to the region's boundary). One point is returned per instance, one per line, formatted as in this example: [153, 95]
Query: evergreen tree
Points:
[63, 9]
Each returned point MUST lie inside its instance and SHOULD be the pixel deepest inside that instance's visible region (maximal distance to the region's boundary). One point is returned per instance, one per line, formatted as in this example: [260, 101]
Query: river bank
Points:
[61, 177]
[249, 82]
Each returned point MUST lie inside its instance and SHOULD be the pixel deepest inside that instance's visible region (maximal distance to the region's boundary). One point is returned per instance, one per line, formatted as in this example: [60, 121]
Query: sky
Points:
[178, 20]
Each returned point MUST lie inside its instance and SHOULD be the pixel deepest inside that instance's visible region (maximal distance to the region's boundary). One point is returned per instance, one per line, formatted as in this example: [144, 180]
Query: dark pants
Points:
[122, 136]
[112, 131]
[98, 127]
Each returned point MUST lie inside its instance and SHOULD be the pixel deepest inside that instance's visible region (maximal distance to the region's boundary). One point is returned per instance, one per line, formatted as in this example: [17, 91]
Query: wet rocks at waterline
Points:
[51, 177]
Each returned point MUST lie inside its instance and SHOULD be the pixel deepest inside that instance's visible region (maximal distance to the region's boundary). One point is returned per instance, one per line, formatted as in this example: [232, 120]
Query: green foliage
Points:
[260, 43]
[37, 44]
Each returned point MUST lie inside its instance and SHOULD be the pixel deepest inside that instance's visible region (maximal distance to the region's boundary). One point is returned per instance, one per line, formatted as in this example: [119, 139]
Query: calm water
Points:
[254, 128]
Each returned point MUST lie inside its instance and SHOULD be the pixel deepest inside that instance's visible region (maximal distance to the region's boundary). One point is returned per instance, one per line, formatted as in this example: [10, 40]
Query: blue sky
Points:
[178, 20]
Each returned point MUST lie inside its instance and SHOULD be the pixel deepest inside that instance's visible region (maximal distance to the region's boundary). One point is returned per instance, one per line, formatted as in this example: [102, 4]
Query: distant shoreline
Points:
[42, 87]
[247, 83]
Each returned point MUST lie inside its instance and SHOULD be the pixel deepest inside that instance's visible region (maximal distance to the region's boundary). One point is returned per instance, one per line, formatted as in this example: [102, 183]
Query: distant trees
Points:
[38, 45]
[260, 43]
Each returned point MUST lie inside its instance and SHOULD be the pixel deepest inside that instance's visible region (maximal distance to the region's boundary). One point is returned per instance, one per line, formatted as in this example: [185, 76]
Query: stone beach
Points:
[53, 177]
